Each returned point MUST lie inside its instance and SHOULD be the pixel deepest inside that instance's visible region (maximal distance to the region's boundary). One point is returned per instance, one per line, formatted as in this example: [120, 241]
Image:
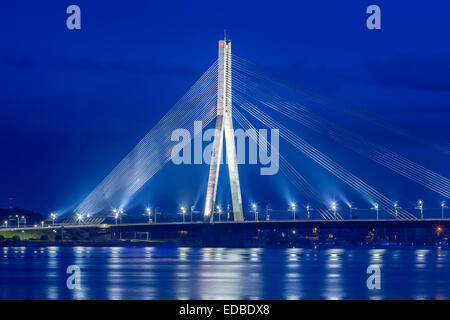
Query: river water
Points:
[219, 273]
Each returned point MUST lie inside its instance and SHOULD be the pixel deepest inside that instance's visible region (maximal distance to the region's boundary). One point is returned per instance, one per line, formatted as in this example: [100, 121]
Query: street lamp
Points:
[443, 206]
[116, 214]
[183, 212]
[149, 213]
[219, 211]
[334, 209]
[42, 224]
[5, 223]
[228, 212]
[255, 210]
[268, 209]
[420, 207]
[293, 208]
[351, 208]
[375, 207]
[18, 221]
[79, 218]
[396, 210]
[309, 208]
[53, 216]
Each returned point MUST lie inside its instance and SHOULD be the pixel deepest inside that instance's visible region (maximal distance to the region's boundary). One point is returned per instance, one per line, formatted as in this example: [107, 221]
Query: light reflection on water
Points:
[219, 273]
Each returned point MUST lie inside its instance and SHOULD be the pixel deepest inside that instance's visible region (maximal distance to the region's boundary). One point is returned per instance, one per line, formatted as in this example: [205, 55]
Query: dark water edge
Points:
[121, 273]
[193, 244]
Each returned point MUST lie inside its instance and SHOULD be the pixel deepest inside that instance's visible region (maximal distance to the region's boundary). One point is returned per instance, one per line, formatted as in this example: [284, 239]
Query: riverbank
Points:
[197, 244]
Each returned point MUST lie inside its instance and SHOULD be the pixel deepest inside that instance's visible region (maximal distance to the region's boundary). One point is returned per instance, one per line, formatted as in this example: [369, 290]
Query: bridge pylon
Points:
[224, 126]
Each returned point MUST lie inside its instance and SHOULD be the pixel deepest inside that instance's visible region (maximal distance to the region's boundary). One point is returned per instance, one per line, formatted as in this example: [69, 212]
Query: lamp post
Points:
[334, 209]
[293, 208]
[443, 206]
[396, 210]
[18, 221]
[308, 211]
[183, 213]
[255, 210]
[375, 207]
[351, 208]
[268, 209]
[219, 212]
[149, 214]
[121, 213]
[192, 211]
[116, 215]
[420, 208]
[5, 223]
[228, 212]
[53, 216]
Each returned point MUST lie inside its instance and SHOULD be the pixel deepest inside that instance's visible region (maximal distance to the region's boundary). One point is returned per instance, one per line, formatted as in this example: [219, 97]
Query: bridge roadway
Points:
[249, 225]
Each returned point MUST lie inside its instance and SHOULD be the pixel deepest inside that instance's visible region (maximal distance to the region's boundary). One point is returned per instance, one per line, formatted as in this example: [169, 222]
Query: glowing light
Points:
[183, 212]
[420, 207]
[375, 207]
[334, 205]
[255, 211]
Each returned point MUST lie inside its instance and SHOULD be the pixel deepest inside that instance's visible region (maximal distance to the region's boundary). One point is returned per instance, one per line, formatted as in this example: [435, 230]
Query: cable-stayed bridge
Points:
[233, 88]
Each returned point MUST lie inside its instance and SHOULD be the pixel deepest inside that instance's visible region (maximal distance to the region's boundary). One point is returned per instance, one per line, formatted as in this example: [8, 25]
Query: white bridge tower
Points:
[224, 125]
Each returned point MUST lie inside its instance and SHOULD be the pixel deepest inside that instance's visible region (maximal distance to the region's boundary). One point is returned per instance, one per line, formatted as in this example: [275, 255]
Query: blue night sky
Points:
[74, 103]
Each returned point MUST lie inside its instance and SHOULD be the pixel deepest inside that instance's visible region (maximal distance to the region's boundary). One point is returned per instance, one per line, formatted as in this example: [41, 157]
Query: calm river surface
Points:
[218, 273]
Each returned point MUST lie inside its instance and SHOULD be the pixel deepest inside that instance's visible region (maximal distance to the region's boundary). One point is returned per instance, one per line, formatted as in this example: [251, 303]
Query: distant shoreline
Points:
[169, 244]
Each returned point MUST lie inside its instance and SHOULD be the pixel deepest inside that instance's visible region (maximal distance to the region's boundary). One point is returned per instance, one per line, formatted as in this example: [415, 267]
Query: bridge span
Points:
[266, 232]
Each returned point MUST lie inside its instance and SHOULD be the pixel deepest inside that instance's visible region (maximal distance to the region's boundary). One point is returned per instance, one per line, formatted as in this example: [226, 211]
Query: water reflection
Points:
[219, 273]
